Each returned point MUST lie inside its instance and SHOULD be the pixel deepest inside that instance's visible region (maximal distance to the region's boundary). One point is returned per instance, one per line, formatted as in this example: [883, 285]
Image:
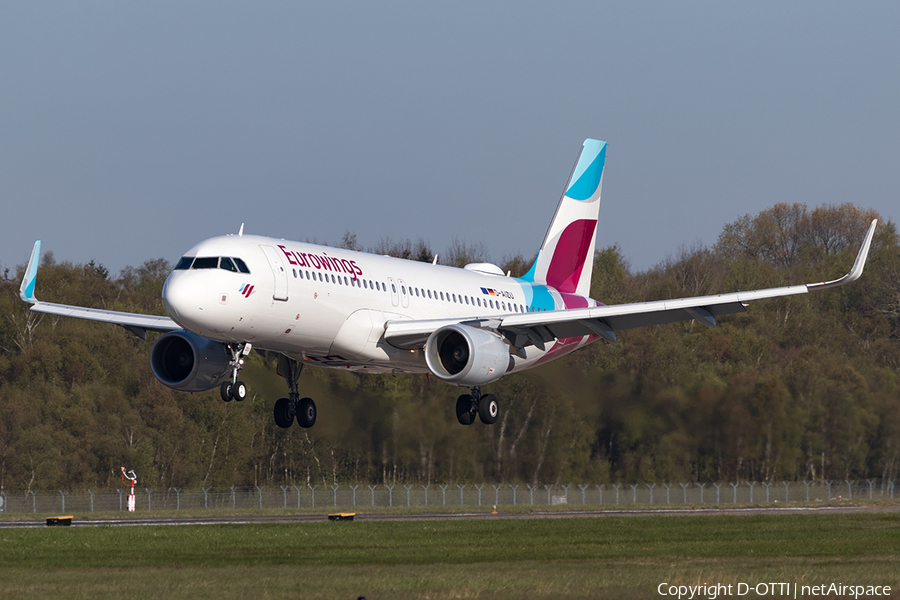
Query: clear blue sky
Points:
[130, 131]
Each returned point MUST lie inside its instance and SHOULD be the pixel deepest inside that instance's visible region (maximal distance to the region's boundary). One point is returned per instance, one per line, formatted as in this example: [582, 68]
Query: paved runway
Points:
[368, 516]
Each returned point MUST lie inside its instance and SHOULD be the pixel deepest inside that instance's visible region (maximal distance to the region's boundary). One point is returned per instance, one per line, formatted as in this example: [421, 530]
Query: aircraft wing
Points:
[542, 328]
[135, 323]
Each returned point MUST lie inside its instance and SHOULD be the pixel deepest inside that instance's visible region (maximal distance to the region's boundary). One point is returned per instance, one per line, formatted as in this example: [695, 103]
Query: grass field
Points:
[594, 557]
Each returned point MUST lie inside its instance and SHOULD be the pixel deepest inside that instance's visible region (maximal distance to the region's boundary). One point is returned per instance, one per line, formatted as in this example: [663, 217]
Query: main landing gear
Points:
[234, 389]
[486, 407]
[304, 409]
[286, 409]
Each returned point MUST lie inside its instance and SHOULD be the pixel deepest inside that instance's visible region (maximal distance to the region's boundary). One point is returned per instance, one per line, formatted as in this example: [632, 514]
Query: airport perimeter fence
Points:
[448, 495]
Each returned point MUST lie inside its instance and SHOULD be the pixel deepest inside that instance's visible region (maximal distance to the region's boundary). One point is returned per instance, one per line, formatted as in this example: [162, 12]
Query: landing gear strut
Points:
[486, 407]
[304, 409]
[234, 389]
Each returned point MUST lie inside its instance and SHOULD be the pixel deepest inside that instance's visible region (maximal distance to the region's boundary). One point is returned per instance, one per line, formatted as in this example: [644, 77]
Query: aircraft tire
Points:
[284, 414]
[488, 409]
[225, 392]
[464, 410]
[239, 391]
[306, 412]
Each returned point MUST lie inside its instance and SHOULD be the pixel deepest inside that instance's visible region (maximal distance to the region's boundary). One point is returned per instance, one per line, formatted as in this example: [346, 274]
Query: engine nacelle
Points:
[467, 356]
[189, 363]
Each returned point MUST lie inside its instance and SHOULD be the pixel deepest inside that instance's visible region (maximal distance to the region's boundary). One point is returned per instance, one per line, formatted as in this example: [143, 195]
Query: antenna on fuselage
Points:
[241, 232]
[434, 262]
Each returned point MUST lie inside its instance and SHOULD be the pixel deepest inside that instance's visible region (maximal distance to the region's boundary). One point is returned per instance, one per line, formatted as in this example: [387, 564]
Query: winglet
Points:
[858, 265]
[26, 290]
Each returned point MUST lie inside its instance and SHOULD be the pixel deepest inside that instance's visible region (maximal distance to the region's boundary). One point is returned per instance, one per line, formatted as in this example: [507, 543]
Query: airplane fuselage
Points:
[328, 306]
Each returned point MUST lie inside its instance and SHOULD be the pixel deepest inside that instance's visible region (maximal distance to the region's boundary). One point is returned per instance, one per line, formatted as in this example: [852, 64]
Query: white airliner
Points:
[339, 308]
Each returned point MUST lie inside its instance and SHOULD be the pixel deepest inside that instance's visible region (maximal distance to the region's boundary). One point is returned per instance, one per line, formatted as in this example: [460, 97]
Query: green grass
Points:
[595, 557]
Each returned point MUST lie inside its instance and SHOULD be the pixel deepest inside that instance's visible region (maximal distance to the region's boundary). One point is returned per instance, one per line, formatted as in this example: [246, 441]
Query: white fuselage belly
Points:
[328, 306]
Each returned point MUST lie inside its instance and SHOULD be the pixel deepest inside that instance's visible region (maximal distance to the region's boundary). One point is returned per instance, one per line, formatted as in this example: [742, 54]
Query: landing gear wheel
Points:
[284, 413]
[306, 412]
[464, 413]
[225, 392]
[488, 409]
[239, 391]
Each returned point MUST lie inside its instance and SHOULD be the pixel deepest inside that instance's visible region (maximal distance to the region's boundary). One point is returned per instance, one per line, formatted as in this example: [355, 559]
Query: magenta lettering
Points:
[288, 254]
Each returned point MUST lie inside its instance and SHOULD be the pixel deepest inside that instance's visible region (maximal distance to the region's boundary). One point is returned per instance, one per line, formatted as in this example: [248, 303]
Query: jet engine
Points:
[189, 363]
[467, 356]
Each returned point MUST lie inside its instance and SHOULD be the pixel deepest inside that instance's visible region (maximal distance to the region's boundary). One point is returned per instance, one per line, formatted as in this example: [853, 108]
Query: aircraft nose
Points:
[183, 297]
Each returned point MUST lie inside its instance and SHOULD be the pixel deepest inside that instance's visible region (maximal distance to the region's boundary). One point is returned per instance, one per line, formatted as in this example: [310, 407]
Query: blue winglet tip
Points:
[26, 290]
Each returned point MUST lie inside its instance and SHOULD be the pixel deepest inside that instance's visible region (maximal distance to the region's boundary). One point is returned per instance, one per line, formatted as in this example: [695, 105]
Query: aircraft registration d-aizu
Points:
[338, 308]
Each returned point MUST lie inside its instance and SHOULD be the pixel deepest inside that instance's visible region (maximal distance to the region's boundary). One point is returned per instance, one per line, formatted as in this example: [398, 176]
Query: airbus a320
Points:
[331, 307]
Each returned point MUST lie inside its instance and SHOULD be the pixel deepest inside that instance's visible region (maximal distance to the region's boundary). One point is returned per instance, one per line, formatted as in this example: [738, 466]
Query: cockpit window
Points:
[184, 263]
[211, 262]
[227, 264]
[207, 262]
[241, 265]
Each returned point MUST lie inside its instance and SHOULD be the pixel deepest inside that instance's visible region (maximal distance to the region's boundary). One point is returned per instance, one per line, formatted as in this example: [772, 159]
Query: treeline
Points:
[798, 388]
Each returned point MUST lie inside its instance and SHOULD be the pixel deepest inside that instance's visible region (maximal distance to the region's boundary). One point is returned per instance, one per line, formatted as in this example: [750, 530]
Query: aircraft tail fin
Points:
[566, 258]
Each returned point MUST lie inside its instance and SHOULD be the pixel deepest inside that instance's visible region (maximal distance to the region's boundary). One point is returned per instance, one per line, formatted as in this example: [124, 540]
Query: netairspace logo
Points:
[790, 590]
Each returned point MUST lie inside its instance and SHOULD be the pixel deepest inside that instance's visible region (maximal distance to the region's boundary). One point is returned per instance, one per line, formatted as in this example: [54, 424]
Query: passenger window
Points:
[241, 265]
[333, 280]
[210, 262]
[393, 288]
[184, 263]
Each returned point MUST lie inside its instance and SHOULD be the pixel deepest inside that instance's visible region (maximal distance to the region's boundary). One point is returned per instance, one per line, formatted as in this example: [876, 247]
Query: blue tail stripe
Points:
[587, 181]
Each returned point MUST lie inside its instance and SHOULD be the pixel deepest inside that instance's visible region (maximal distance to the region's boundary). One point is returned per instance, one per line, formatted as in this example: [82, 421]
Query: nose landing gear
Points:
[234, 389]
[486, 407]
